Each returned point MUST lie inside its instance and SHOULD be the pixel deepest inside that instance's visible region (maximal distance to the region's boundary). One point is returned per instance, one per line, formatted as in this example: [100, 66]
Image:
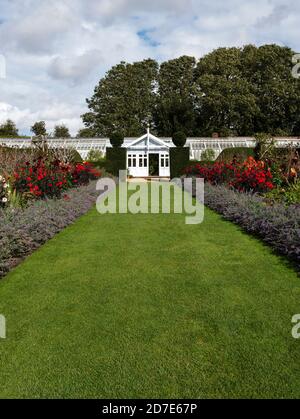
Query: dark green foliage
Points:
[174, 114]
[277, 92]
[179, 139]
[115, 160]
[61, 131]
[116, 139]
[232, 91]
[224, 96]
[175, 99]
[239, 153]
[123, 99]
[86, 133]
[39, 129]
[8, 129]
[179, 159]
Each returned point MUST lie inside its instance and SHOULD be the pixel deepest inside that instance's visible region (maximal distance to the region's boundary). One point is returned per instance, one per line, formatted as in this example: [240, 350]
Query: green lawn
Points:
[147, 306]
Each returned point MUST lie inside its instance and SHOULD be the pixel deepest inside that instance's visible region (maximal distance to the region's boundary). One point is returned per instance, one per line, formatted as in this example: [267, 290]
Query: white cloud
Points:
[75, 68]
[57, 51]
[54, 114]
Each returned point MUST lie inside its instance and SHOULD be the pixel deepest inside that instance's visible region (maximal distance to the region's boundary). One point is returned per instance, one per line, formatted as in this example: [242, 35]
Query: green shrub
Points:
[240, 153]
[75, 157]
[94, 156]
[288, 195]
[115, 160]
[179, 139]
[208, 155]
[100, 164]
[179, 159]
[116, 139]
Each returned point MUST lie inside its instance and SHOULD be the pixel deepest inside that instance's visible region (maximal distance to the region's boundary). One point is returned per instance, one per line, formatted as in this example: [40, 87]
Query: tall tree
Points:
[123, 99]
[39, 129]
[277, 92]
[237, 91]
[225, 100]
[61, 131]
[175, 99]
[8, 129]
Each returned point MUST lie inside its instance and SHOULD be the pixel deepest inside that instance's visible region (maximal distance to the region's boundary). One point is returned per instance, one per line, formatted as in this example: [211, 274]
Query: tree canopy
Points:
[123, 99]
[39, 129]
[8, 129]
[232, 91]
[175, 110]
[86, 133]
[61, 131]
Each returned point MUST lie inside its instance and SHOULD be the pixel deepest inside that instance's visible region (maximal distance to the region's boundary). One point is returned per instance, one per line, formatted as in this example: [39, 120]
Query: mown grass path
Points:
[146, 306]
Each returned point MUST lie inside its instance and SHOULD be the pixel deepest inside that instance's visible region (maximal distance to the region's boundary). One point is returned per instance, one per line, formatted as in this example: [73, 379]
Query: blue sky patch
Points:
[145, 35]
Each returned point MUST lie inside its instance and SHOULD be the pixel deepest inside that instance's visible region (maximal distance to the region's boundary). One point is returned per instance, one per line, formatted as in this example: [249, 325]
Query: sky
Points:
[56, 51]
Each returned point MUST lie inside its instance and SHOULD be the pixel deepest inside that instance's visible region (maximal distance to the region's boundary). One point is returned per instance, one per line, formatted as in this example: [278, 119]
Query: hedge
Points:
[241, 153]
[115, 160]
[179, 159]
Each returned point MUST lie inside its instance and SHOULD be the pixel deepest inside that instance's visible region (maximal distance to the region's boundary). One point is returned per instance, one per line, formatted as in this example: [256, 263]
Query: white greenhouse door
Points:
[137, 164]
[164, 165]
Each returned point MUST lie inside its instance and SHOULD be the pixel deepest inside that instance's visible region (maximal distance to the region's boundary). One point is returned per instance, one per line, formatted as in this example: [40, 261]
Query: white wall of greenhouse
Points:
[197, 145]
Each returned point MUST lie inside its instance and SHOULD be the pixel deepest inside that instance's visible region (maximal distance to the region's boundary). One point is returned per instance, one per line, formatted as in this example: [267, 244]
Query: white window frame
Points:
[164, 161]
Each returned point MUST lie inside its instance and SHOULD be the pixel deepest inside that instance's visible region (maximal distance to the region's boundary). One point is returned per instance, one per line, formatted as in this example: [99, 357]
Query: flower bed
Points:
[42, 179]
[41, 192]
[24, 230]
[248, 176]
[39, 173]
